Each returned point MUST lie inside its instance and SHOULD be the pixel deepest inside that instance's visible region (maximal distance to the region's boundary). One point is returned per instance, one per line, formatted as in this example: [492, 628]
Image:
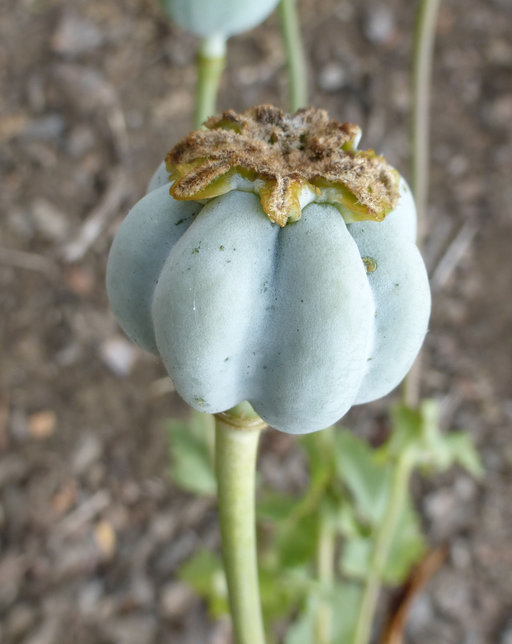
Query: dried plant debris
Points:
[289, 160]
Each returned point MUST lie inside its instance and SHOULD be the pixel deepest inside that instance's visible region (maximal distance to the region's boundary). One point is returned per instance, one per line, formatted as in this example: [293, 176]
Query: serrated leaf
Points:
[191, 463]
[204, 573]
[367, 479]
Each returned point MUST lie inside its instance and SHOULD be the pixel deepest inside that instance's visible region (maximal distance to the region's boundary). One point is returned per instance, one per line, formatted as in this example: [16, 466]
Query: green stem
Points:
[422, 79]
[325, 559]
[424, 38]
[296, 60]
[236, 447]
[211, 60]
[381, 548]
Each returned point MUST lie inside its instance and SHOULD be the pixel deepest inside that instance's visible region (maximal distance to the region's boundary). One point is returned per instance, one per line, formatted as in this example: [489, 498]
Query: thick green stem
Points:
[296, 60]
[325, 561]
[424, 38]
[236, 446]
[211, 60]
[381, 548]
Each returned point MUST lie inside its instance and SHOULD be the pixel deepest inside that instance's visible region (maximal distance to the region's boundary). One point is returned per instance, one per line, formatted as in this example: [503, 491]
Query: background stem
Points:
[424, 38]
[235, 464]
[292, 39]
[325, 560]
[211, 60]
[381, 547]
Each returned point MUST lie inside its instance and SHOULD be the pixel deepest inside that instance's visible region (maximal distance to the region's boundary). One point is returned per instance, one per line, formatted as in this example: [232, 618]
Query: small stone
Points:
[12, 569]
[465, 487]
[460, 554]
[142, 593]
[19, 621]
[222, 631]
[379, 26]
[47, 128]
[12, 469]
[42, 424]
[138, 629]
[89, 597]
[87, 453]
[175, 599]
[49, 221]
[80, 280]
[506, 634]
[332, 77]
[450, 509]
[46, 633]
[64, 498]
[452, 596]
[105, 538]
[421, 614]
[80, 141]
[75, 35]
[119, 355]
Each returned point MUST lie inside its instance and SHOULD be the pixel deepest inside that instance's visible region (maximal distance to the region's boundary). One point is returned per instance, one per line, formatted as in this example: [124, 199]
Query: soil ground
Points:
[92, 95]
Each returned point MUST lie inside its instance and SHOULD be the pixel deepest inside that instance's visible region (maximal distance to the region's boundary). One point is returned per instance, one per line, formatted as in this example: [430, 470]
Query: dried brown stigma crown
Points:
[289, 160]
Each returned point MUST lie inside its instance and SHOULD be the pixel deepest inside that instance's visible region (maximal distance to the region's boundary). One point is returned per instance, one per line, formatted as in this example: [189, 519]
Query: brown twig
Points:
[421, 575]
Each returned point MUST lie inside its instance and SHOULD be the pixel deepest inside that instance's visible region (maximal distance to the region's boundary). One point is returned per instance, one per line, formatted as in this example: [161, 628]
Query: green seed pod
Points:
[281, 269]
[206, 18]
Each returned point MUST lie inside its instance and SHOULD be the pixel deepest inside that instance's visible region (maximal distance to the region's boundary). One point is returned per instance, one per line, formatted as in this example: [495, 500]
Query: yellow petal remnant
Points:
[289, 160]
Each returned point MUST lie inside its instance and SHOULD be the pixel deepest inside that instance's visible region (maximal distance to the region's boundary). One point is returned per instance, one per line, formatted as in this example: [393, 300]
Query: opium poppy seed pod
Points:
[272, 261]
[225, 18]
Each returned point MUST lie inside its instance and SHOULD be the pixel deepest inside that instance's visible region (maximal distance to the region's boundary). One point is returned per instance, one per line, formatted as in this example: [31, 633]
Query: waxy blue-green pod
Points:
[289, 278]
[207, 18]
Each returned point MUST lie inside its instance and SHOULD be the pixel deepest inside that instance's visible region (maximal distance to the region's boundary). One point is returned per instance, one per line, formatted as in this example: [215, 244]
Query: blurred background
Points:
[92, 96]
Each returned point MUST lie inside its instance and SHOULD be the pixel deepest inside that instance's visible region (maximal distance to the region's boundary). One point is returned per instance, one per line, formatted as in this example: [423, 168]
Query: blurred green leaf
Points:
[344, 600]
[204, 573]
[272, 506]
[191, 461]
[346, 522]
[406, 430]
[319, 448]
[407, 548]
[345, 604]
[464, 453]
[418, 432]
[302, 630]
[367, 479]
[296, 541]
[281, 591]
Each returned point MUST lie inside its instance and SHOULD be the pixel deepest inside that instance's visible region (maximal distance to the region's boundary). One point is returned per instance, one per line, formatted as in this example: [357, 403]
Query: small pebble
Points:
[49, 221]
[119, 355]
[175, 598]
[379, 25]
[42, 424]
[47, 128]
[332, 77]
[88, 451]
[75, 35]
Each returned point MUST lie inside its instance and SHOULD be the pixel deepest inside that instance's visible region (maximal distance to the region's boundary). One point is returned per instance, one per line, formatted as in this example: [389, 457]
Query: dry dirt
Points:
[92, 95]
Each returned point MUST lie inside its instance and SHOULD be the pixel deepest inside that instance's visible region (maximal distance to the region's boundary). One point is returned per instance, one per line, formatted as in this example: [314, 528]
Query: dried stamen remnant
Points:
[289, 160]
